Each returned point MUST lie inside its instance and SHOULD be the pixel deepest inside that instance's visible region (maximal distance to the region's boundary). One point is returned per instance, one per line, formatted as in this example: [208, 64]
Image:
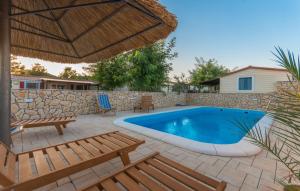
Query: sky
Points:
[236, 33]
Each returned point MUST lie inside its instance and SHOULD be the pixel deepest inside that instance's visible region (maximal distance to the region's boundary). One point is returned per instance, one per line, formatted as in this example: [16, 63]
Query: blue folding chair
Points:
[15, 129]
[104, 104]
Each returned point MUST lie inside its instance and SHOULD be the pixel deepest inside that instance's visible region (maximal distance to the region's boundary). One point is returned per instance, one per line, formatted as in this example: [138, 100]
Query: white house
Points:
[252, 79]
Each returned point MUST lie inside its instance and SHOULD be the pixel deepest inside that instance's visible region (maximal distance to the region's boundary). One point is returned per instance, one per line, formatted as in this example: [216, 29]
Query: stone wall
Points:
[286, 85]
[33, 104]
[126, 100]
[239, 100]
[246, 101]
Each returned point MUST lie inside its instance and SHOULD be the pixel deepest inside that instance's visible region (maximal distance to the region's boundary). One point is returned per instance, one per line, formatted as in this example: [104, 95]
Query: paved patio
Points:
[241, 173]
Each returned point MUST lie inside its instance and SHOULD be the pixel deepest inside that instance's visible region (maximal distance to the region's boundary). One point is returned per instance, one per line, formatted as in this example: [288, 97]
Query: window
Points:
[61, 87]
[245, 83]
[79, 87]
[22, 85]
[33, 85]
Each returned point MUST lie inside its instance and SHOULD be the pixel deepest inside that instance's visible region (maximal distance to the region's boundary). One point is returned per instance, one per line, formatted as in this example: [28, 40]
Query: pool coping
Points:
[241, 148]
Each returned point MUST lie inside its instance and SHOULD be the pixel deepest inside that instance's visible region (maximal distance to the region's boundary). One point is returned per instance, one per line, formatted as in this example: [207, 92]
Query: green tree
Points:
[16, 67]
[110, 73]
[69, 73]
[150, 66]
[37, 70]
[181, 83]
[206, 70]
[283, 140]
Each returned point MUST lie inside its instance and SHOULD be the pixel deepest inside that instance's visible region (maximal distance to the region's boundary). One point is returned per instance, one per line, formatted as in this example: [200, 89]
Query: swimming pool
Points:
[210, 130]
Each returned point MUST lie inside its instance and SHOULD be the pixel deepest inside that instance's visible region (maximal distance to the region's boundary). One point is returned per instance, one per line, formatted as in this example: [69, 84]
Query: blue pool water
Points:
[204, 124]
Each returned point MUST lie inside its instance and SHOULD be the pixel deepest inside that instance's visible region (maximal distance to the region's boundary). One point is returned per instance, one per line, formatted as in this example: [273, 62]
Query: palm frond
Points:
[288, 61]
[283, 140]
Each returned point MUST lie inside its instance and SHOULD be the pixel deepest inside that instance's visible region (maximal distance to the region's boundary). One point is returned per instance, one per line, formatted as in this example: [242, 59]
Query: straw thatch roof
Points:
[74, 31]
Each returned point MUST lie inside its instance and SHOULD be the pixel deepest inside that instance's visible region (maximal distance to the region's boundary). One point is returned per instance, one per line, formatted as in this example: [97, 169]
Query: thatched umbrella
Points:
[74, 31]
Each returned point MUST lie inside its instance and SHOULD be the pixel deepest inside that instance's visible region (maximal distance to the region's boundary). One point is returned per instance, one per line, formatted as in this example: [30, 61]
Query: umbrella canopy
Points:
[74, 31]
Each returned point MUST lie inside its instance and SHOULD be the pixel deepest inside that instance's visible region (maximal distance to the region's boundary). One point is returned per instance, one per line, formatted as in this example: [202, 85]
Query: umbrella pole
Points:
[5, 82]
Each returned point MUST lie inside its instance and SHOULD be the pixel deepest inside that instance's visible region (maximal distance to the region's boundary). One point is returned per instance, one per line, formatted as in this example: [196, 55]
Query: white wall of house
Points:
[263, 81]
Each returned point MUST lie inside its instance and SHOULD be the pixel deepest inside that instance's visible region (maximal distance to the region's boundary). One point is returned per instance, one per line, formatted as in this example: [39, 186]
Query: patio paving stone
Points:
[251, 181]
[241, 173]
[233, 176]
[250, 170]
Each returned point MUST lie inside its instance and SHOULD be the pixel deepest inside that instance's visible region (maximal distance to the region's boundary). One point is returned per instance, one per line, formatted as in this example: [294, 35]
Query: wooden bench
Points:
[157, 173]
[58, 122]
[33, 169]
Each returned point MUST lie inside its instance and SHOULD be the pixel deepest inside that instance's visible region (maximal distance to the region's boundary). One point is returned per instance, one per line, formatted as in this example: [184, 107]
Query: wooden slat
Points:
[188, 181]
[118, 171]
[101, 147]
[52, 119]
[221, 186]
[17, 123]
[107, 143]
[140, 142]
[11, 166]
[128, 141]
[127, 182]
[109, 185]
[33, 121]
[41, 163]
[167, 181]
[55, 158]
[80, 151]
[145, 180]
[49, 120]
[115, 141]
[68, 118]
[68, 154]
[3, 152]
[26, 121]
[25, 171]
[89, 147]
[43, 121]
[128, 137]
[155, 175]
[188, 171]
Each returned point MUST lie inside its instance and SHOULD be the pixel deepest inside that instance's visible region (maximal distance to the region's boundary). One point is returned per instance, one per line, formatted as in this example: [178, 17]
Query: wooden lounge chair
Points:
[104, 103]
[58, 122]
[17, 171]
[146, 104]
[156, 173]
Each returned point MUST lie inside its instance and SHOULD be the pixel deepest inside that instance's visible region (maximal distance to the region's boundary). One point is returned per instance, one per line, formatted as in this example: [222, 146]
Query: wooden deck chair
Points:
[104, 103]
[156, 173]
[146, 104]
[37, 168]
[58, 122]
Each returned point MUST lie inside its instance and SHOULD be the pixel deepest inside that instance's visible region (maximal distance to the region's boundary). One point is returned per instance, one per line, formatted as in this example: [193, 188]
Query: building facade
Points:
[40, 82]
[253, 79]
